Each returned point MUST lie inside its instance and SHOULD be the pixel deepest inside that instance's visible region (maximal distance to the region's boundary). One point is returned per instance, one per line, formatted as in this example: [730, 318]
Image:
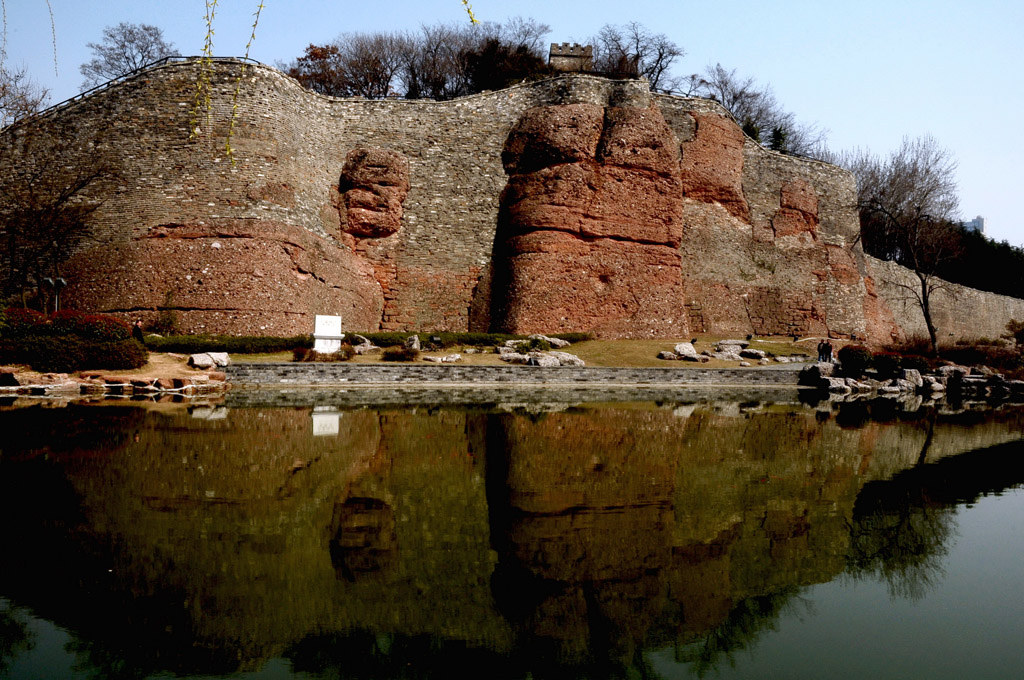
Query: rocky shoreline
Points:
[956, 381]
[201, 377]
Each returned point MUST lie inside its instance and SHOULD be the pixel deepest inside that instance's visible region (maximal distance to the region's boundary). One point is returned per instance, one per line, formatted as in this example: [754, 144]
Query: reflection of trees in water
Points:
[67, 431]
[15, 637]
[901, 540]
[901, 527]
[898, 535]
[748, 620]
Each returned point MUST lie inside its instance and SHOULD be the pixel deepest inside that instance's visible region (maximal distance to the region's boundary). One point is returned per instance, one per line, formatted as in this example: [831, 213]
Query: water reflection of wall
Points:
[588, 534]
[621, 528]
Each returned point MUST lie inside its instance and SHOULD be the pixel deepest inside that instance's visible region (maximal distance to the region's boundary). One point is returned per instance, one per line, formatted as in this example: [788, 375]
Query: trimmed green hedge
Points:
[234, 344]
[447, 339]
[191, 344]
[48, 354]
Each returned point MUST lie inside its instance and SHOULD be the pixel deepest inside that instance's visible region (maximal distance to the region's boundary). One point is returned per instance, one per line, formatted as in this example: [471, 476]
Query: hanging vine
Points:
[238, 85]
[201, 98]
[3, 37]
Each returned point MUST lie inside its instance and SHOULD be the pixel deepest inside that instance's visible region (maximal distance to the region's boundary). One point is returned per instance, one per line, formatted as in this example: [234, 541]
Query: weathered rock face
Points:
[374, 183]
[798, 209]
[232, 277]
[590, 225]
[713, 164]
[571, 204]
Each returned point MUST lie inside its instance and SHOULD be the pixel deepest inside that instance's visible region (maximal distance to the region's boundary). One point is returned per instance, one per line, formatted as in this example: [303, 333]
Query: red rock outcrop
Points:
[236, 276]
[798, 211]
[712, 164]
[590, 224]
[374, 183]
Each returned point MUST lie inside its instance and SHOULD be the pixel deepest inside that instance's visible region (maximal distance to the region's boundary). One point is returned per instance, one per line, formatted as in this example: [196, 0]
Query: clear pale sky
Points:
[869, 72]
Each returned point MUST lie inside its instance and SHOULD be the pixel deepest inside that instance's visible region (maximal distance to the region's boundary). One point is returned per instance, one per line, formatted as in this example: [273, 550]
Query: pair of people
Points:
[825, 351]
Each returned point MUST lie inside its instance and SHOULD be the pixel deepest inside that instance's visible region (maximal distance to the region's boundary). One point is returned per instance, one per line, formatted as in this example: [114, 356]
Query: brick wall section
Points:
[337, 373]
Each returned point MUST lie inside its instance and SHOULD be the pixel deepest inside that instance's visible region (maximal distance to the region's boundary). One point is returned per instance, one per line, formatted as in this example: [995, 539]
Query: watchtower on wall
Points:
[574, 58]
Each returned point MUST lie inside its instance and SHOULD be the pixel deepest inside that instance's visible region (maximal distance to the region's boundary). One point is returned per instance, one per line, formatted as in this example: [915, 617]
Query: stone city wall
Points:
[575, 203]
[958, 311]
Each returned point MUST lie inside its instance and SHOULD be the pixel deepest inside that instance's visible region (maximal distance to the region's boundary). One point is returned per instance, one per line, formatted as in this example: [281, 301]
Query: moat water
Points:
[615, 540]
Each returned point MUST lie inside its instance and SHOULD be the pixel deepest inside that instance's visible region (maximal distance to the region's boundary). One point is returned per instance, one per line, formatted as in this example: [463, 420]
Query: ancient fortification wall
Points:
[958, 311]
[575, 203]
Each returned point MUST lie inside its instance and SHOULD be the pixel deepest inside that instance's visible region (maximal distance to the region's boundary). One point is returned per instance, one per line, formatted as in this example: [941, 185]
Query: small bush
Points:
[914, 362]
[1015, 330]
[398, 353]
[23, 322]
[89, 326]
[305, 354]
[574, 337]
[854, 359]
[1001, 358]
[887, 364]
[917, 345]
[532, 345]
[124, 354]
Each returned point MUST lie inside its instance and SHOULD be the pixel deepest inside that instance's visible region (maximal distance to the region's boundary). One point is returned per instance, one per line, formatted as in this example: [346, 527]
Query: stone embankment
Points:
[292, 374]
[99, 383]
[958, 381]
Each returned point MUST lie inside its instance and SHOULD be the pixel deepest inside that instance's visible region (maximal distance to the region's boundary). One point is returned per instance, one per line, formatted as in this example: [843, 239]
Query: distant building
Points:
[572, 58]
[977, 224]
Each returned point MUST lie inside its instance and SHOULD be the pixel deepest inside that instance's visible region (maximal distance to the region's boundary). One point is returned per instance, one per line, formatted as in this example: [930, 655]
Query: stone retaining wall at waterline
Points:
[270, 374]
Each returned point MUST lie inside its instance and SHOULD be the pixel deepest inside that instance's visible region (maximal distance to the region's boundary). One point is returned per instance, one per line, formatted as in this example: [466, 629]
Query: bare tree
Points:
[519, 32]
[908, 206]
[371, 63]
[758, 111]
[632, 48]
[20, 96]
[435, 67]
[125, 48]
[440, 61]
[319, 69]
[354, 65]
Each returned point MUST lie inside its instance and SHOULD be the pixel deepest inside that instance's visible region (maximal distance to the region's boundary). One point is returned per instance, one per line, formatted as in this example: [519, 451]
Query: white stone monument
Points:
[327, 334]
[326, 421]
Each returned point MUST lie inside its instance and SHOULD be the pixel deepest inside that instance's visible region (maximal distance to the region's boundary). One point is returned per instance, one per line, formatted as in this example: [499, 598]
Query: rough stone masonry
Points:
[570, 204]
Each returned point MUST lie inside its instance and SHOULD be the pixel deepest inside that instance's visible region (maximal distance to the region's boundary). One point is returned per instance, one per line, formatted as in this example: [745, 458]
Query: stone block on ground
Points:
[221, 359]
[202, 360]
[685, 350]
[566, 359]
[557, 343]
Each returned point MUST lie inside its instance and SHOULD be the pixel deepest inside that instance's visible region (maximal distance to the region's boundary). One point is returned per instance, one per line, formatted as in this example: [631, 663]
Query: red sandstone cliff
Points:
[573, 204]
